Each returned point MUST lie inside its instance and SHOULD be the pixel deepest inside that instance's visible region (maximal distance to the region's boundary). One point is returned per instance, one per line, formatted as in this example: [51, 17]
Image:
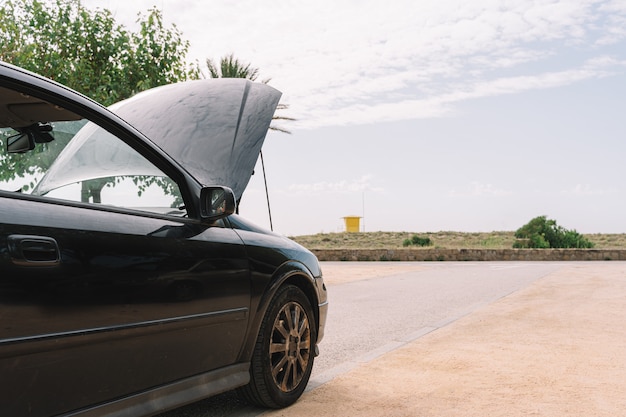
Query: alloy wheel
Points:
[290, 346]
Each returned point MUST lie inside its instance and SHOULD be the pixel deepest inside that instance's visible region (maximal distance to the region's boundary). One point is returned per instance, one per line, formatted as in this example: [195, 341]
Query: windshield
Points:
[94, 154]
[83, 162]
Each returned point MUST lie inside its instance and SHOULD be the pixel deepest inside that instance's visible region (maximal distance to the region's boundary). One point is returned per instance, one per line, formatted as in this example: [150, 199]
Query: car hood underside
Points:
[214, 128]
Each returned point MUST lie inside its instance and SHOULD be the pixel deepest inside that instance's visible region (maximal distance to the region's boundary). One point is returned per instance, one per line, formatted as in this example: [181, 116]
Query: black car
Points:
[128, 285]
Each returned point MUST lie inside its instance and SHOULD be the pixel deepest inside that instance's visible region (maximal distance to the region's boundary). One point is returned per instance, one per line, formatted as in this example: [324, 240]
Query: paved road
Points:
[386, 305]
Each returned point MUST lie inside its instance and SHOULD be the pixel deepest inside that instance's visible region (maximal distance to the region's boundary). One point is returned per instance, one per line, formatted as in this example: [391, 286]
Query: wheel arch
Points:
[289, 273]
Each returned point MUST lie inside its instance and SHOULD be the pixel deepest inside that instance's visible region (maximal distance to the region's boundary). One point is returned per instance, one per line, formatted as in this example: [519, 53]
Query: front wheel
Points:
[284, 351]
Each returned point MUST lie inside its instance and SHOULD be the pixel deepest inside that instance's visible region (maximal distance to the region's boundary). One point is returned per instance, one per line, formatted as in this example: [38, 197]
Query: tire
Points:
[284, 351]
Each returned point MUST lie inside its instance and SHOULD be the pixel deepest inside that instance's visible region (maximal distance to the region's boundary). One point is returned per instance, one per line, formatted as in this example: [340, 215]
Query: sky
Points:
[426, 116]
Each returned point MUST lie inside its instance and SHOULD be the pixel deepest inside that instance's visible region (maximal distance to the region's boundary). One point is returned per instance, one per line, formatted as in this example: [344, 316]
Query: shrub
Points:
[417, 241]
[421, 241]
[544, 233]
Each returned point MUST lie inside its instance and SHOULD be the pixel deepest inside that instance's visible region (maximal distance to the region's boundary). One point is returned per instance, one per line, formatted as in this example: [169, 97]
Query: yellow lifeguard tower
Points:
[353, 224]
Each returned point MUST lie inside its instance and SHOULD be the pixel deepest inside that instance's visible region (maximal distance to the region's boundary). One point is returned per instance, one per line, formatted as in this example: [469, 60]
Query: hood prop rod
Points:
[267, 195]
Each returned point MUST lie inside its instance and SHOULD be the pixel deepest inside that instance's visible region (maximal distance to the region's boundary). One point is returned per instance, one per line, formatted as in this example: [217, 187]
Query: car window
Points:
[80, 161]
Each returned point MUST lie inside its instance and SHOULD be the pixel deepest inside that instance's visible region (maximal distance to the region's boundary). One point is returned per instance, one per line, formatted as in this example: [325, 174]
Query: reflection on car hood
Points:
[214, 128]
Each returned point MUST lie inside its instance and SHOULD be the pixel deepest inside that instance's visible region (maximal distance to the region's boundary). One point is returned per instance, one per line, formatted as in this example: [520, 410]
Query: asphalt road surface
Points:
[378, 307]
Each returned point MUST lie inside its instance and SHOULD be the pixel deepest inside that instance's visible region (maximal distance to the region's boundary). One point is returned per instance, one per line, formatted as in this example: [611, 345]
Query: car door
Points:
[105, 291]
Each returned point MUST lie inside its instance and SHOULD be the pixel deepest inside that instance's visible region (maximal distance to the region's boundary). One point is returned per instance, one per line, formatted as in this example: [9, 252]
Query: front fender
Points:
[291, 272]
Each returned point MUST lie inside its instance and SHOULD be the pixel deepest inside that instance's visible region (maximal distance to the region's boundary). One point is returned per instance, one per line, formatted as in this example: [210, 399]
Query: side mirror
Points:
[216, 202]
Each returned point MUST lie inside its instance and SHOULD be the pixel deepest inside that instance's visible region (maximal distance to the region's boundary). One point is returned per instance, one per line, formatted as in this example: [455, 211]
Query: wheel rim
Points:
[290, 346]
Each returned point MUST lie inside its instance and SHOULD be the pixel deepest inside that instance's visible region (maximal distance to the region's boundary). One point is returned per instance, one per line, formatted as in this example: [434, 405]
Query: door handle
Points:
[27, 250]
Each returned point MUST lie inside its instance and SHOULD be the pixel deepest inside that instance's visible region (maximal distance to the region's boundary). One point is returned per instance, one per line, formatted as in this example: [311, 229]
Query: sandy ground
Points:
[556, 348]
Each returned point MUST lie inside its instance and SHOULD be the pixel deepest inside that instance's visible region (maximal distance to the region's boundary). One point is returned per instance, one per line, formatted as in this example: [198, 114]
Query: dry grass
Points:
[449, 240]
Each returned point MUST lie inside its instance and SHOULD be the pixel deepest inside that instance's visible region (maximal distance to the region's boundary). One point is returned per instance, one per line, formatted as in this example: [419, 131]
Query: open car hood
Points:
[213, 128]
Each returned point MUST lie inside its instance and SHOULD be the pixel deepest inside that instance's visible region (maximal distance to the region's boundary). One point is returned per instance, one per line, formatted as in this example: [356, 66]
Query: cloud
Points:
[443, 104]
[595, 68]
[358, 185]
[477, 189]
[360, 62]
[615, 29]
[426, 66]
[588, 190]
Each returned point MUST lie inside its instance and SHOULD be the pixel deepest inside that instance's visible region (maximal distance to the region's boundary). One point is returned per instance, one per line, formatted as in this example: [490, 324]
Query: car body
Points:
[128, 285]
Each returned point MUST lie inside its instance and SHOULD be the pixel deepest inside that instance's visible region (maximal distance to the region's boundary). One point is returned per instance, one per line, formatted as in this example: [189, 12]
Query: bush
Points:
[417, 241]
[421, 241]
[544, 233]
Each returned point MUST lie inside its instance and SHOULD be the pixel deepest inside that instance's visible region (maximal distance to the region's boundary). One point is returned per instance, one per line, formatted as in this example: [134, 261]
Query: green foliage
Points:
[443, 239]
[14, 166]
[89, 52]
[231, 67]
[492, 242]
[421, 241]
[543, 233]
[417, 241]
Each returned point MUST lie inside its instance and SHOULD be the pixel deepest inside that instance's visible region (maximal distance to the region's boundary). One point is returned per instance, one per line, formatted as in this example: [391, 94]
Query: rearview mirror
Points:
[216, 202]
[28, 136]
[20, 143]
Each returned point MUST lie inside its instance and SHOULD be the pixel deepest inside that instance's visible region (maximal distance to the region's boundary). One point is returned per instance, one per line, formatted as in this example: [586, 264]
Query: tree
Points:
[231, 67]
[89, 52]
[543, 233]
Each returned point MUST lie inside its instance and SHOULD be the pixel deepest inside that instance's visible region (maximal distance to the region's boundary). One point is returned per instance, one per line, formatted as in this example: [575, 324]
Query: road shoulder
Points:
[557, 347]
